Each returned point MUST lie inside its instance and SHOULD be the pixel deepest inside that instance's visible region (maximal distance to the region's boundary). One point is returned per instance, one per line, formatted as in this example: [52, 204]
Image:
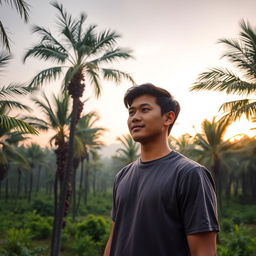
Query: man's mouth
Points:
[136, 127]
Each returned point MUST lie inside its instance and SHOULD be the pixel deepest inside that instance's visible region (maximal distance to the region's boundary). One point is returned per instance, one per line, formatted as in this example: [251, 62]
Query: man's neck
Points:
[154, 150]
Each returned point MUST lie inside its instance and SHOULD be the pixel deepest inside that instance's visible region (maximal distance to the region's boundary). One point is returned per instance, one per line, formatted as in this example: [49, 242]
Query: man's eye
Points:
[131, 113]
[145, 109]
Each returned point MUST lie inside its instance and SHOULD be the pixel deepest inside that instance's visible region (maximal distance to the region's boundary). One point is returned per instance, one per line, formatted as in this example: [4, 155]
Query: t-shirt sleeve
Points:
[113, 211]
[197, 201]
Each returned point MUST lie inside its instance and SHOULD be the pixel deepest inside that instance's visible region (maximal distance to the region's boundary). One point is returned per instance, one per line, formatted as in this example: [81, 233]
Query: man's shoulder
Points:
[124, 170]
[184, 162]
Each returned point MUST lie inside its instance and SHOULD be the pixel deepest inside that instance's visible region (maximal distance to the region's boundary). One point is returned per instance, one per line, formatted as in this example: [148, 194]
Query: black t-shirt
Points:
[157, 203]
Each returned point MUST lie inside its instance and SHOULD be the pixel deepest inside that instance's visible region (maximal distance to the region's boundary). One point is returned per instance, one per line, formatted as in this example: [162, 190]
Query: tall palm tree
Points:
[184, 144]
[242, 54]
[22, 8]
[9, 155]
[35, 156]
[87, 142]
[7, 103]
[57, 118]
[210, 146]
[129, 150]
[81, 54]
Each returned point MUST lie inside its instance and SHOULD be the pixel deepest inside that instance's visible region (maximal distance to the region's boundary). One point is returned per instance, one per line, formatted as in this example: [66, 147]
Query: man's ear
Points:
[170, 118]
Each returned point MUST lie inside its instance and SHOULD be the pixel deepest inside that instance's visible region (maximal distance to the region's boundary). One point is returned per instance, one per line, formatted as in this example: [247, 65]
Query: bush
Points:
[43, 208]
[86, 246]
[17, 242]
[39, 226]
[94, 226]
[237, 242]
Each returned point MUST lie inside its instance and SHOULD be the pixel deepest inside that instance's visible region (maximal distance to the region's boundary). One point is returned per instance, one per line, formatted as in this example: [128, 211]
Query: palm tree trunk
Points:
[80, 185]
[74, 195]
[30, 186]
[6, 189]
[86, 189]
[38, 179]
[64, 188]
[18, 184]
[94, 181]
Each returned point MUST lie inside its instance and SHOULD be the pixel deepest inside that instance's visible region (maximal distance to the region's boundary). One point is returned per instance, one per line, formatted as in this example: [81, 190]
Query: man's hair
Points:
[164, 99]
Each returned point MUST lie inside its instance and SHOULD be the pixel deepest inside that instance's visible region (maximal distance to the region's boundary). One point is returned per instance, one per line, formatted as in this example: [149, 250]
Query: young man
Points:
[164, 204]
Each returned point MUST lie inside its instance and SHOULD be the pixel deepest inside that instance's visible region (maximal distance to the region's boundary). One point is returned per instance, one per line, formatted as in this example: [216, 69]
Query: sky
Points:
[172, 42]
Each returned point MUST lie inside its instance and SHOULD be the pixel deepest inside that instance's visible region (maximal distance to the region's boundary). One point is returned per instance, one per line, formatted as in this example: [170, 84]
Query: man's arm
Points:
[202, 244]
[108, 245]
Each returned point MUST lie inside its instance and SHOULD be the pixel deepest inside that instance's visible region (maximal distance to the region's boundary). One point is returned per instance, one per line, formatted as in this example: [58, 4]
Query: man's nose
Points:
[136, 116]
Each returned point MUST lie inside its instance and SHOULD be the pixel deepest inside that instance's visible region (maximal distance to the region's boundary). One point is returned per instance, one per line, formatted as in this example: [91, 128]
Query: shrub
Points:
[39, 226]
[17, 241]
[94, 226]
[86, 246]
[238, 242]
[43, 208]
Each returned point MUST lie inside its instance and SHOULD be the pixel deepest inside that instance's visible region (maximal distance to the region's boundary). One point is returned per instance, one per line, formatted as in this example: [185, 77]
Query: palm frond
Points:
[116, 75]
[4, 37]
[105, 39]
[46, 52]
[14, 104]
[7, 122]
[218, 79]
[13, 90]
[46, 75]
[113, 55]
[238, 108]
[37, 123]
[79, 27]
[66, 24]
[48, 110]
[22, 8]
[4, 58]
[48, 38]
[93, 77]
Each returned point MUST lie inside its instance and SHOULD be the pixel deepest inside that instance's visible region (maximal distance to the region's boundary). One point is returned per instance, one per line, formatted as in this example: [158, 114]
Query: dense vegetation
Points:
[68, 186]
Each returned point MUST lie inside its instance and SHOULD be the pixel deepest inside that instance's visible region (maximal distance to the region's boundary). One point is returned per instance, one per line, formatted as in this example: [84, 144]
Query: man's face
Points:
[145, 120]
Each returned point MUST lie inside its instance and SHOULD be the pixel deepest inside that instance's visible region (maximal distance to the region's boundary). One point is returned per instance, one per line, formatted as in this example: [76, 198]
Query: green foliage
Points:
[239, 213]
[43, 207]
[17, 242]
[86, 246]
[238, 242]
[100, 205]
[94, 226]
[39, 226]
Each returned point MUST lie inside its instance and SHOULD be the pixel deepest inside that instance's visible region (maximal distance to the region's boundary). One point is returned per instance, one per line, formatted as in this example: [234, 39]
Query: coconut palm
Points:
[22, 8]
[129, 150]
[242, 54]
[80, 55]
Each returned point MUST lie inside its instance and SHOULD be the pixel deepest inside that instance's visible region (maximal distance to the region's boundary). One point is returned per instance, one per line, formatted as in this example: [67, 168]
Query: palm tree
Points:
[7, 103]
[8, 152]
[87, 142]
[36, 158]
[80, 54]
[129, 150]
[210, 146]
[242, 54]
[184, 144]
[57, 118]
[22, 8]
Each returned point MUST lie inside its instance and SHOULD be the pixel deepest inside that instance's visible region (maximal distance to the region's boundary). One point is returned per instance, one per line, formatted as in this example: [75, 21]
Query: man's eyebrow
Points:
[140, 106]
